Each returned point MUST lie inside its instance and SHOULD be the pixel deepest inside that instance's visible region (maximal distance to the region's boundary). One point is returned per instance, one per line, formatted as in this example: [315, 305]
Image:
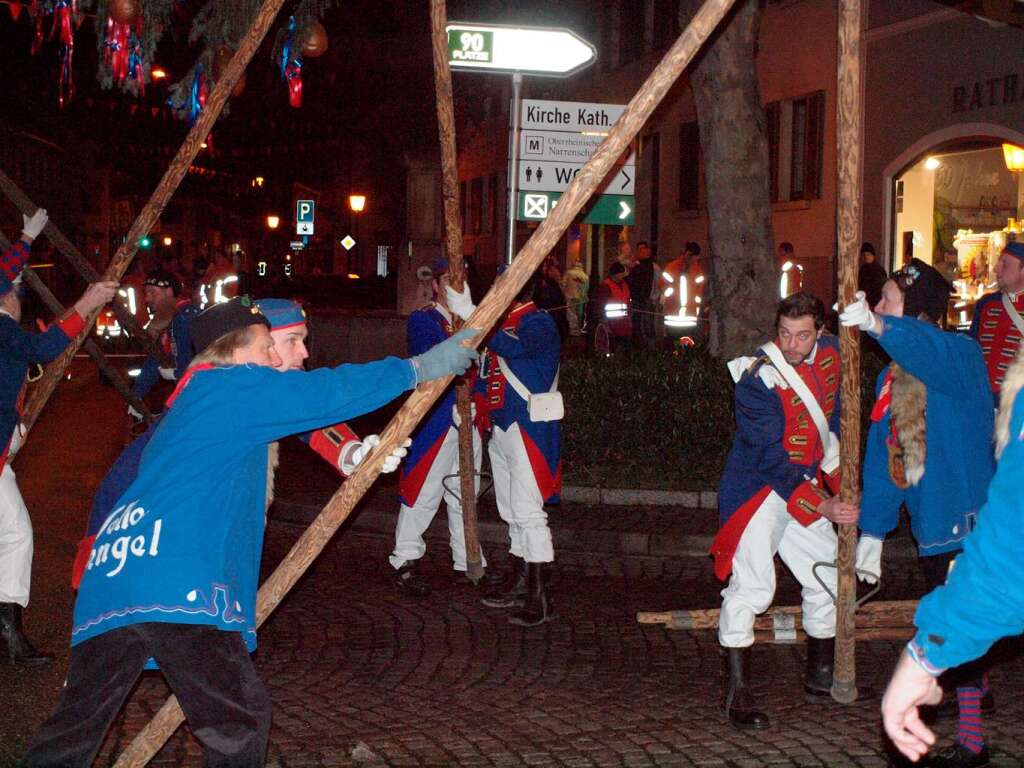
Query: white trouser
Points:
[520, 502]
[413, 521]
[752, 585]
[15, 542]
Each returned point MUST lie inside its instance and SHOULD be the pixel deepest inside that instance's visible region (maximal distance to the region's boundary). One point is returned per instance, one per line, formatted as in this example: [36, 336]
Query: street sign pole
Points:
[513, 165]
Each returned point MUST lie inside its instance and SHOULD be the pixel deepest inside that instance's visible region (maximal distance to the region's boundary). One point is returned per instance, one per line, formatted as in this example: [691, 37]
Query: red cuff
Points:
[804, 502]
[71, 323]
[331, 441]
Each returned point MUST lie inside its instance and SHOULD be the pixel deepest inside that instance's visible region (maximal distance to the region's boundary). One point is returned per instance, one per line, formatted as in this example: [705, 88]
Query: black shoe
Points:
[949, 709]
[538, 607]
[820, 660]
[513, 595]
[739, 703]
[410, 582]
[491, 580]
[19, 650]
[959, 756]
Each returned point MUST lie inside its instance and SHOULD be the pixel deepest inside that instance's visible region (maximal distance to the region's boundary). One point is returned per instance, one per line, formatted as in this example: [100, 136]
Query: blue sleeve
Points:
[946, 362]
[148, 375]
[268, 404]
[181, 330]
[27, 347]
[536, 337]
[983, 598]
[761, 425]
[422, 333]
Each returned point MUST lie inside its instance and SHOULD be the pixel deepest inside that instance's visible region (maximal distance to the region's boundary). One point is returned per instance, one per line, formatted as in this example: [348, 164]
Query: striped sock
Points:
[969, 732]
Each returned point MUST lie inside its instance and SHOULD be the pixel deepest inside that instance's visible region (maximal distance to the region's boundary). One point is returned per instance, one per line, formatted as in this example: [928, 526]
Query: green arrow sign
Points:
[603, 209]
[531, 50]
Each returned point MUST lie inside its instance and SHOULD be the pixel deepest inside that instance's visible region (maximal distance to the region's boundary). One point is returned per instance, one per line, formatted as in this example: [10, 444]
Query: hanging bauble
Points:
[221, 59]
[124, 11]
[316, 43]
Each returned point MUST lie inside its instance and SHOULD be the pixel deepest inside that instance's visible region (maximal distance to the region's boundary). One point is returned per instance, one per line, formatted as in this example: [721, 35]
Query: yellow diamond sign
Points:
[348, 242]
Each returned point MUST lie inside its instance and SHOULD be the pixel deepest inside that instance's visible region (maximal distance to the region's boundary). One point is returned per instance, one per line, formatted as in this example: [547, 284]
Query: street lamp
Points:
[168, 240]
[273, 221]
[356, 203]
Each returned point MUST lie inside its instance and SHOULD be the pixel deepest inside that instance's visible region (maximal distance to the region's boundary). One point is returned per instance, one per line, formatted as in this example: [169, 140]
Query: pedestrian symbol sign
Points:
[304, 210]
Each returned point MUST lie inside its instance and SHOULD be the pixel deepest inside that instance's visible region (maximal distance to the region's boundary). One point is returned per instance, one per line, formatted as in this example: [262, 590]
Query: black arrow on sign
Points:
[628, 179]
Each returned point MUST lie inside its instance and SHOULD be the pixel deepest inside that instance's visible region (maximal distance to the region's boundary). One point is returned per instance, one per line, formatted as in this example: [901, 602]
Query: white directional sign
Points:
[304, 211]
[556, 177]
[531, 50]
[562, 146]
[576, 116]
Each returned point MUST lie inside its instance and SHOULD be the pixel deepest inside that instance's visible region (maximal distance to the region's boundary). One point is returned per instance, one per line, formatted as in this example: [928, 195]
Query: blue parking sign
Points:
[304, 210]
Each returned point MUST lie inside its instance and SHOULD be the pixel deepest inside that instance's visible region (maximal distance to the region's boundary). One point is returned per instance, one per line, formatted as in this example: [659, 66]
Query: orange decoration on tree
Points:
[316, 43]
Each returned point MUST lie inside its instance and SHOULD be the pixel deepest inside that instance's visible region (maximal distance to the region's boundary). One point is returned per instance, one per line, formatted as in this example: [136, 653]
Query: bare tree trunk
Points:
[734, 142]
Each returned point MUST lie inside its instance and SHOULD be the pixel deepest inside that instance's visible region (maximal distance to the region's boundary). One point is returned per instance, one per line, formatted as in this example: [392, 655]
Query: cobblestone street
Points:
[363, 675]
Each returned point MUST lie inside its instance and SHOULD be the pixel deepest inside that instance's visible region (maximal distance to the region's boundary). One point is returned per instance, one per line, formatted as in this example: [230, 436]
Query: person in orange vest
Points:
[132, 290]
[612, 303]
[791, 272]
[682, 288]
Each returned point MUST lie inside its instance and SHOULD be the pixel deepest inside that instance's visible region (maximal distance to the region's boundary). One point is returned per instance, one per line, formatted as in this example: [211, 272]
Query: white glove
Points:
[455, 414]
[17, 437]
[167, 374]
[134, 413]
[768, 374]
[34, 224]
[362, 449]
[460, 303]
[859, 315]
[869, 559]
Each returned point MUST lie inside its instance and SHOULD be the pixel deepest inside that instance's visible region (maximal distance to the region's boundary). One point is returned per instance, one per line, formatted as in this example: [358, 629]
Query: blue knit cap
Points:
[282, 313]
[1015, 249]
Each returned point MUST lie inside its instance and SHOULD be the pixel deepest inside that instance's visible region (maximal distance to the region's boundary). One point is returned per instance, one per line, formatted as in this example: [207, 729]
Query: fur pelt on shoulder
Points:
[909, 399]
[1012, 383]
[272, 462]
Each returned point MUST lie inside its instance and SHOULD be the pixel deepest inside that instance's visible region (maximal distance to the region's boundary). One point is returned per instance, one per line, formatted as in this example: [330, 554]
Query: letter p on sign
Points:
[304, 217]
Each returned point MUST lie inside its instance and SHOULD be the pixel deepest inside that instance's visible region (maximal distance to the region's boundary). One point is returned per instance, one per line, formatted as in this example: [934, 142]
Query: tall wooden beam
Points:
[165, 189]
[53, 304]
[456, 275]
[494, 305]
[849, 121]
[81, 265]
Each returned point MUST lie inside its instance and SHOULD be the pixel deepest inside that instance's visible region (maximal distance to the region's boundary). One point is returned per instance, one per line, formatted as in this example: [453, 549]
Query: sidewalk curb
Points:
[377, 520]
[639, 497]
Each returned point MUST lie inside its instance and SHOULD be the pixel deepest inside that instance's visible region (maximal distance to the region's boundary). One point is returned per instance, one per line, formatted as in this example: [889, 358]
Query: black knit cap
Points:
[161, 278]
[925, 290]
[221, 319]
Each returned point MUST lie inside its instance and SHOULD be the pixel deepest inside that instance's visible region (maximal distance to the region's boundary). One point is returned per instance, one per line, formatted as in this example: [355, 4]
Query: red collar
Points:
[185, 380]
[512, 318]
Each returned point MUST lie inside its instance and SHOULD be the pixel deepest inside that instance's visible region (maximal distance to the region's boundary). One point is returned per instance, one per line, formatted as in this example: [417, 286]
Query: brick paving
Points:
[362, 675]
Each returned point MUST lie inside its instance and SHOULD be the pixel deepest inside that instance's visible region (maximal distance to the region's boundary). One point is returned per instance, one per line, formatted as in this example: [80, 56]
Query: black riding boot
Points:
[739, 703]
[513, 593]
[19, 649]
[820, 656]
[538, 607]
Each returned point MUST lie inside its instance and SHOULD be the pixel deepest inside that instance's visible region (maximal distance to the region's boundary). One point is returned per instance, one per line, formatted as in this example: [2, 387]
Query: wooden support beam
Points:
[849, 122]
[456, 275]
[165, 189]
[494, 305]
[82, 266]
[882, 613]
[33, 281]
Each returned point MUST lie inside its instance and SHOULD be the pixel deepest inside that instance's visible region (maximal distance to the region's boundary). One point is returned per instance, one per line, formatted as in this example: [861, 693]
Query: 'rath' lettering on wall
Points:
[993, 92]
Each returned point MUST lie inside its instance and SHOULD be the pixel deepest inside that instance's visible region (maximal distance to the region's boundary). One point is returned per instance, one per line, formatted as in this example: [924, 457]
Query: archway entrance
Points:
[954, 204]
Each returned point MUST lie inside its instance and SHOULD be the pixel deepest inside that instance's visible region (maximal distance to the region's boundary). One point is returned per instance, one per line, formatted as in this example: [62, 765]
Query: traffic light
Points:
[145, 242]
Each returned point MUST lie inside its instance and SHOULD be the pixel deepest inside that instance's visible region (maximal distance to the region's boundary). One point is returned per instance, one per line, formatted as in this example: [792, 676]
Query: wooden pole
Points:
[494, 305]
[456, 275]
[113, 375]
[81, 265]
[849, 120]
[882, 613]
[165, 189]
